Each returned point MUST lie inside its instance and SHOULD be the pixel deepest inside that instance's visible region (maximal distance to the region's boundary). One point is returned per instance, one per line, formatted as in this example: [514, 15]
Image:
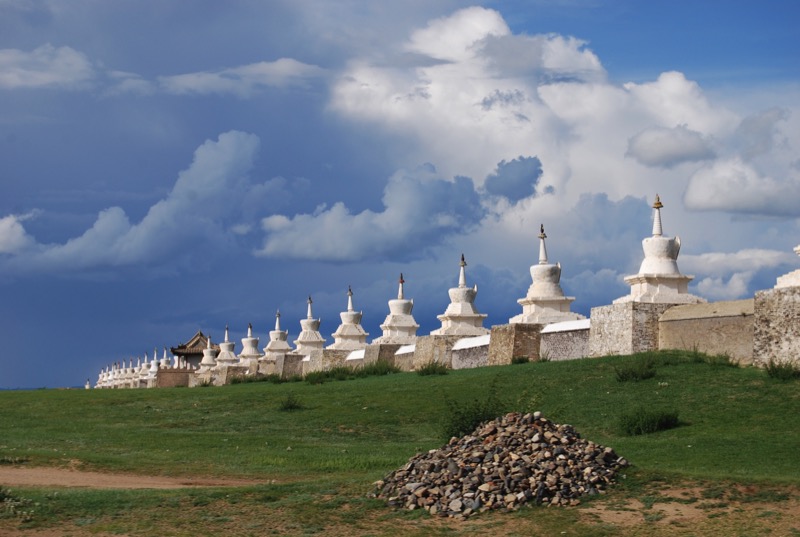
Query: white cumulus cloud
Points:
[420, 210]
[734, 185]
[13, 237]
[189, 220]
[44, 67]
[244, 80]
[664, 147]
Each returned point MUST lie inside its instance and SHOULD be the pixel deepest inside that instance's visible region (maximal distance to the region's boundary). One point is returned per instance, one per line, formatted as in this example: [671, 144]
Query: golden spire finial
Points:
[657, 204]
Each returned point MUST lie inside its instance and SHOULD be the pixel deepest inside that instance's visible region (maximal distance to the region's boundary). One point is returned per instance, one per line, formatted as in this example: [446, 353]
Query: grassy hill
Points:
[737, 427]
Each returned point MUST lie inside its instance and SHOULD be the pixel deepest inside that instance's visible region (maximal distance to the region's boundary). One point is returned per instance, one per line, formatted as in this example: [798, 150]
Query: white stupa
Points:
[278, 345]
[226, 355]
[545, 302]
[659, 281]
[350, 335]
[309, 339]
[399, 327]
[165, 361]
[250, 353]
[209, 356]
[461, 318]
[791, 279]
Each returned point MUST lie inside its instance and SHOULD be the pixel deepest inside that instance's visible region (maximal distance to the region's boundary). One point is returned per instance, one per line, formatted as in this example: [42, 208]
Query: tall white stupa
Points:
[659, 281]
[278, 345]
[226, 356]
[309, 339]
[545, 302]
[399, 327]
[350, 335]
[461, 318]
[250, 353]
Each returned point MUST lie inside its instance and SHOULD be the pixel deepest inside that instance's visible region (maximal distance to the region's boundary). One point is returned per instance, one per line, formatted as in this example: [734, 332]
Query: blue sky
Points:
[173, 166]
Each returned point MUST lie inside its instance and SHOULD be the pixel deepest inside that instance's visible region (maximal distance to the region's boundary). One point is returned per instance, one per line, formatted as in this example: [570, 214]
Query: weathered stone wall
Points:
[292, 365]
[566, 345]
[471, 357]
[270, 365]
[331, 358]
[434, 349]
[383, 351]
[404, 361]
[511, 340]
[625, 328]
[776, 335]
[715, 328]
[172, 378]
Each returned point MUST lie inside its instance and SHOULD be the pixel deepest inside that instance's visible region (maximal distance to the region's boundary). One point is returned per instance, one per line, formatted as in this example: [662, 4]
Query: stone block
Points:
[292, 365]
[776, 331]
[625, 328]
[434, 349]
[381, 351]
[511, 340]
[331, 358]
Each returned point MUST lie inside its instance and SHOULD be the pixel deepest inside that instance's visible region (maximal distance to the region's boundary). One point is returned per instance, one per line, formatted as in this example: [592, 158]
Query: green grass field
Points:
[737, 426]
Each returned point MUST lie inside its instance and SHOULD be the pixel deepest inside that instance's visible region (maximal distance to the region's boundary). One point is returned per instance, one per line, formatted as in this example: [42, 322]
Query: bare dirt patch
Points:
[64, 477]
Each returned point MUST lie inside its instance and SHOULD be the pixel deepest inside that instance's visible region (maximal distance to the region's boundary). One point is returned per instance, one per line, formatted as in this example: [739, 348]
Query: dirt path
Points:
[62, 477]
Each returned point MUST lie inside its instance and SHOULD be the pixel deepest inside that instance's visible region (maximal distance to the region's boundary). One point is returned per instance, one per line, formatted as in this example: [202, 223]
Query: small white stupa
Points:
[791, 279]
[226, 355]
[461, 318]
[153, 366]
[350, 335]
[166, 361]
[399, 327]
[659, 281]
[545, 302]
[309, 339]
[278, 345]
[250, 353]
[209, 356]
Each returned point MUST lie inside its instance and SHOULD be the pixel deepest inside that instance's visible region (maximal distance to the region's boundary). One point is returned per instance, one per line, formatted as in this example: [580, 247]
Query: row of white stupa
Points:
[658, 281]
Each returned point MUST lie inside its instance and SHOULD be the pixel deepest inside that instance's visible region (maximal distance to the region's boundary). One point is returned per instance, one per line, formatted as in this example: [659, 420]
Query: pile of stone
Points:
[503, 464]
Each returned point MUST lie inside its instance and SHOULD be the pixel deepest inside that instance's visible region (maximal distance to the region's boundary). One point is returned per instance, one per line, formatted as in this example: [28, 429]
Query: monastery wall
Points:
[470, 352]
[383, 351]
[776, 334]
[171, 378]
[512, 340]
[292, 366]
[626, 328]
[717, 328]
[434, 349]
[564, 344]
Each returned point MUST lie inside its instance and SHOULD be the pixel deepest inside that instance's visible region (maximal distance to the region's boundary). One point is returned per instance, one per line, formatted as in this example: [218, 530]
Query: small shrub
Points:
[722, 360]
[462, 418]
[783, 370]
[205, 384]
[13, 460]
[639, 370]
[520, 360]
[316, 377]
[433, 368]
[274, 379]
[645, 421]
[290, 402]
[13, 506]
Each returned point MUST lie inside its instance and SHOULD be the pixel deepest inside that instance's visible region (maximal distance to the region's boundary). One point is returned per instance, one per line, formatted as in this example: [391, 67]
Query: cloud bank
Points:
[189, 221]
